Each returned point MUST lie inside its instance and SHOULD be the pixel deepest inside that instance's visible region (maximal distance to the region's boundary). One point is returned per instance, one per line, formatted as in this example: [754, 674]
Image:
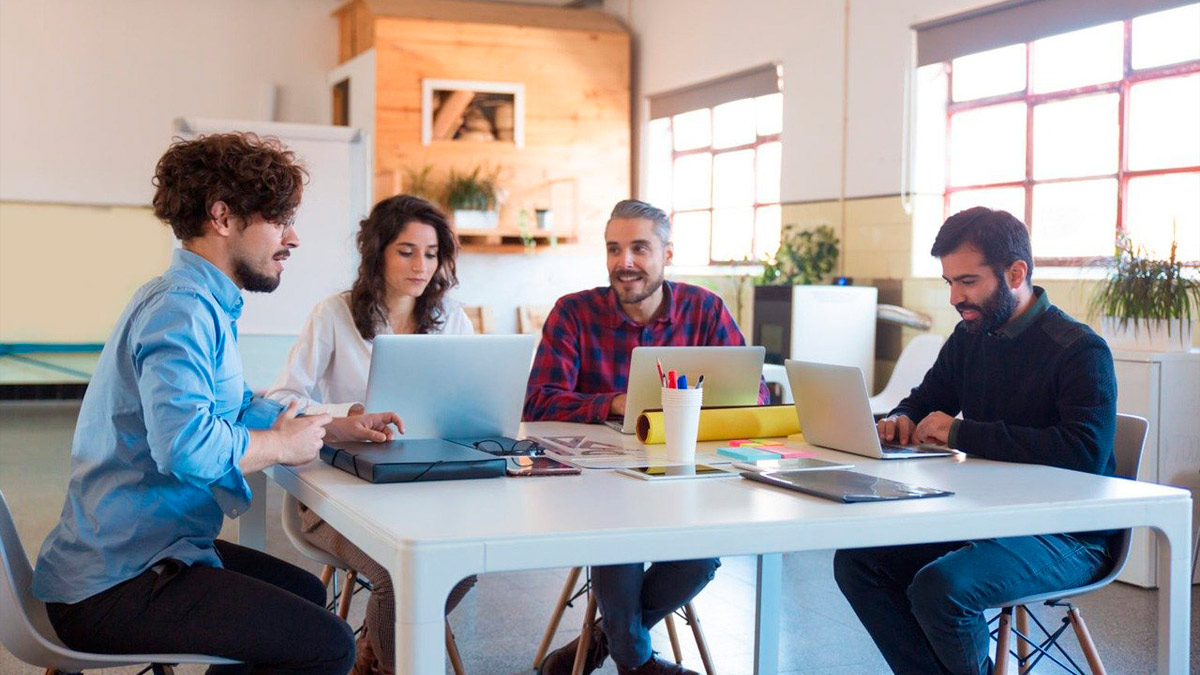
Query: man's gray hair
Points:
[632, 208]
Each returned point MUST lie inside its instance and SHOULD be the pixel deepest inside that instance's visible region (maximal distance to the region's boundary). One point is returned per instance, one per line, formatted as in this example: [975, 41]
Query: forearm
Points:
[263, 450]
[1068, 446]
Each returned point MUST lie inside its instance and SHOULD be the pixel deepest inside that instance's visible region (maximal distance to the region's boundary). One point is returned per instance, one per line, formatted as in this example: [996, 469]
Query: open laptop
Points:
[448, 386]
[731, 377]
[835, 412]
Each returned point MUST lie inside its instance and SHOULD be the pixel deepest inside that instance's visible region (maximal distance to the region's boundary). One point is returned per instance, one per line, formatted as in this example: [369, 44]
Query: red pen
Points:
[671, 379]
[662, 379]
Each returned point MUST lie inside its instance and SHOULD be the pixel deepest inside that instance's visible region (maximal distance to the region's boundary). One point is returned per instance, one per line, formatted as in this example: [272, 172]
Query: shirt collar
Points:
[1041, 302]
[619, 316]
[228, 295]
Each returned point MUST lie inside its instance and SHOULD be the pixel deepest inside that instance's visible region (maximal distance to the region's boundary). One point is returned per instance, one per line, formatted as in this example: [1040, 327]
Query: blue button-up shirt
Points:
[163, 425]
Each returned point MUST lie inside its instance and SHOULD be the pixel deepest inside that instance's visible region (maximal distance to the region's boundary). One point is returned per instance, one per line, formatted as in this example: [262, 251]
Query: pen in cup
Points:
[700, 382]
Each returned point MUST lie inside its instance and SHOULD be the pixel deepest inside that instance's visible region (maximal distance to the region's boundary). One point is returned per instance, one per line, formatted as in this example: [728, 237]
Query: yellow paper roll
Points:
[718, 424]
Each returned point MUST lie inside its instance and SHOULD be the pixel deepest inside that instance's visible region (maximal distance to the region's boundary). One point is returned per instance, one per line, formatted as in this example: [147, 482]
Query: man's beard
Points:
[651, 288]
[252, 280]
[994, 313]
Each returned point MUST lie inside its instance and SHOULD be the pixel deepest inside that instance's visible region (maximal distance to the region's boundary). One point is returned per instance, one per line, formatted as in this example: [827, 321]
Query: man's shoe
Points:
[561, 660]
[656, 666]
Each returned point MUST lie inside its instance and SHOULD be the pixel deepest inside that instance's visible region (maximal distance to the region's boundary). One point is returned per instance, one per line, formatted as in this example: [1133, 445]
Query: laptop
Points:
[835, 412]
[731, 377]
[451, 386]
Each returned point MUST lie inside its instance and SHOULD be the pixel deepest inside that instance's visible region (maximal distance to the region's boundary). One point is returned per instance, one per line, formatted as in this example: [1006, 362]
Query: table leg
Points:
[1174, 592]
[252, 525]
[421, 585]
[766, 614]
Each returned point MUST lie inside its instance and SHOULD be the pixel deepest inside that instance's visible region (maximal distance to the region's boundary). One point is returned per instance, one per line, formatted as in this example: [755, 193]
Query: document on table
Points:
[592, 454]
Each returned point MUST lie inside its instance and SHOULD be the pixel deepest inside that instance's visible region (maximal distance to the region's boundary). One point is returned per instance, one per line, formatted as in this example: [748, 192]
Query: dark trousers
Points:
[924, 604]
[259, 610]
[632, 599]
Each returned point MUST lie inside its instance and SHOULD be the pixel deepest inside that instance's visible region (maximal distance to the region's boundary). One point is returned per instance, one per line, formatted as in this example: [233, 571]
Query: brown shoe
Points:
[365, 660]
[561, 660]
[656, 666]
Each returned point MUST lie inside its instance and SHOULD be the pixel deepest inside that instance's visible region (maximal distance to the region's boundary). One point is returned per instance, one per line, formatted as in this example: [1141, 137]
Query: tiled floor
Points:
[500, 623]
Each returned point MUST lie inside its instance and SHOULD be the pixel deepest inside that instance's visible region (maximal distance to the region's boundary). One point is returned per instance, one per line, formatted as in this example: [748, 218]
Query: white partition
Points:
[835, 324]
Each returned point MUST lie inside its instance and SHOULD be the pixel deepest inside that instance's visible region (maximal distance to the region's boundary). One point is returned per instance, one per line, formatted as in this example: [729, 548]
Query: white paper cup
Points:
[681, 421]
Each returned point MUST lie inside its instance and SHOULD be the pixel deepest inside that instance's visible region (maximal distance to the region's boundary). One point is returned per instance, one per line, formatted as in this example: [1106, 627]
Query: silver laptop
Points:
[451, 386]
[731, 377]
[835, 412]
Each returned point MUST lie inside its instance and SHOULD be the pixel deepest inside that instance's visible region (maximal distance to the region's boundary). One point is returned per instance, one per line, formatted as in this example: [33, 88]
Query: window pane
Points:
[692, 129]
[996, 71]
[1072, 220]
[658, 163]
[767, 172]
[1002, 199]
[766, 231]
[693, 181]
[987, 145]
[1079, 58]
[770, 114]
[689, 232]
[734, 123]
[731, 233]
[1163, 128]
[1076, 137]
[1167, 37]
[733, 179]
[1160, 208]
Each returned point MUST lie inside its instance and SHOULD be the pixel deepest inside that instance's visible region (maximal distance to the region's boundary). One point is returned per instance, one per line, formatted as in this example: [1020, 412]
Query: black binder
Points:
[406, 461]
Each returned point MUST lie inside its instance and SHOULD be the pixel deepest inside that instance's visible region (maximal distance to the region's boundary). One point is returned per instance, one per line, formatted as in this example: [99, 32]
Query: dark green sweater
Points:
[1040, 390]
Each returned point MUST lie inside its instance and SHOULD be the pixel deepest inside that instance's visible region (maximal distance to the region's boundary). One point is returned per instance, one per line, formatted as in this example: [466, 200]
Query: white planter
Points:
[476, 220]
[1158, 336]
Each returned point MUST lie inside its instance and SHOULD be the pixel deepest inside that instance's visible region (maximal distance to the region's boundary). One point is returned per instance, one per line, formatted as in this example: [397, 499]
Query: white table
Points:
[430, 535]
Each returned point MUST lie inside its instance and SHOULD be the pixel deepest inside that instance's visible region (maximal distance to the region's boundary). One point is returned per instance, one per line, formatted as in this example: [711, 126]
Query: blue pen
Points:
[682, 382]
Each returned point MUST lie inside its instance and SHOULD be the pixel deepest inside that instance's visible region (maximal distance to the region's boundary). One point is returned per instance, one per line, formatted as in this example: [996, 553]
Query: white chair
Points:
[292, 528]
[25, 628]
[1127, 450]
[914, 362]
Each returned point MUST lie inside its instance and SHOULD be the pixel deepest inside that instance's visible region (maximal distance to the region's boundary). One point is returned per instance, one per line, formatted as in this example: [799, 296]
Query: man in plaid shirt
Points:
[580, 375]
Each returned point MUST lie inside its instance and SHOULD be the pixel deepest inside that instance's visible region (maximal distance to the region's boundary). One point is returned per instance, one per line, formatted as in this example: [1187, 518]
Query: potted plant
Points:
[473, 198]
[421, 184]
[804, 257]
[1146, 303]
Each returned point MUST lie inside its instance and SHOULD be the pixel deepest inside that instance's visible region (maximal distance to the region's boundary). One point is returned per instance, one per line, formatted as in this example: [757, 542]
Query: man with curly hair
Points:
[168, 429]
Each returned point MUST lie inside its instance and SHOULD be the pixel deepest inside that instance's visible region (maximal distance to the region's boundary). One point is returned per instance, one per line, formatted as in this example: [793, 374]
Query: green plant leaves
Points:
[804, 257]
[1139, 288]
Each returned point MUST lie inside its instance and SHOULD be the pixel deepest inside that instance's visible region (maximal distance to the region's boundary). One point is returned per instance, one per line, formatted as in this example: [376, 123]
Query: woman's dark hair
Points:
[368, 296]
[998, 235]
[251, 175]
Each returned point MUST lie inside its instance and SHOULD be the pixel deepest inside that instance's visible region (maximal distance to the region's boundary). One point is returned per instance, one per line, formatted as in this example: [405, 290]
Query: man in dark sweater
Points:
[1034, 386]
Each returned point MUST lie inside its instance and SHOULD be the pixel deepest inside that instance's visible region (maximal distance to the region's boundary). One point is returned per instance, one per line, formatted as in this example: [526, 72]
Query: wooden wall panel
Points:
[577, 116]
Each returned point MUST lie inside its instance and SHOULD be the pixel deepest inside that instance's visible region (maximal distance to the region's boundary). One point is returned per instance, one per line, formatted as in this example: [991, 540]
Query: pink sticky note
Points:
[740, 442]
[790, 453]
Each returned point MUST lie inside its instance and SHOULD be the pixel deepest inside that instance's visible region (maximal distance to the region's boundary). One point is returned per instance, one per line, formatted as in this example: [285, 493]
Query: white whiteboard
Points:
[333, 204]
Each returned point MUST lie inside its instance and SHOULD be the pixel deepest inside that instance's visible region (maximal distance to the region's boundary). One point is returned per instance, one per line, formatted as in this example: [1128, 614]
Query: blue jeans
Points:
[632, 599]
[923, 605]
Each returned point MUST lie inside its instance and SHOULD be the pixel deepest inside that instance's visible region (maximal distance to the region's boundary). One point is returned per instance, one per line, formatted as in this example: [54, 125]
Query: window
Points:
[1085, 135]
[715, 169]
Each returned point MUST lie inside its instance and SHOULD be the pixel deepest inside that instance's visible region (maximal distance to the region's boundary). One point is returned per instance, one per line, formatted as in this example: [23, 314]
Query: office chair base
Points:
[1030, 650]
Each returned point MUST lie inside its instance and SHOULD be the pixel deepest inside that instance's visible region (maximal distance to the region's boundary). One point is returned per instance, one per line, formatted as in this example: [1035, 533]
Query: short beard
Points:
[251, 280]
[651, 289]
[995, 312]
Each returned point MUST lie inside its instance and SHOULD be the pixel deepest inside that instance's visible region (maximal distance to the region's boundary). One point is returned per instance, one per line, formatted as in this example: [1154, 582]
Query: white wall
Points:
[88, 90]
[720, 37]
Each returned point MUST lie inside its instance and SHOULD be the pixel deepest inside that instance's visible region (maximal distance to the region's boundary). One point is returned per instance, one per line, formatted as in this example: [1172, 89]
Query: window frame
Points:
[1129, 77]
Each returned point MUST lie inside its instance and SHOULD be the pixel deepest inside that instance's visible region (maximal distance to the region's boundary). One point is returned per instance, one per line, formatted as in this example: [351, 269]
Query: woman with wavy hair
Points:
[407, 253]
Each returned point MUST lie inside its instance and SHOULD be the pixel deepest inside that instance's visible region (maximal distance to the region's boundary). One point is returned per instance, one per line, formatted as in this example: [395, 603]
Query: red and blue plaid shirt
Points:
[582, 363]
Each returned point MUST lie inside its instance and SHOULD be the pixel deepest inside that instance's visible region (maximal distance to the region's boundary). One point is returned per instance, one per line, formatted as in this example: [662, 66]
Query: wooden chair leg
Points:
[347, 593]
[452, 651]
[326, 575]
[693, 618]
[1085, 642]
[675, 650]
[1003, 633]
[585, 636]
[556, 616]
[1023, 628]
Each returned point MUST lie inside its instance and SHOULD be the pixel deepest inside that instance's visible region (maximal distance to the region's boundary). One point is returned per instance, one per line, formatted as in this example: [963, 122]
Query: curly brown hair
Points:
[251, 175]
[368, 295]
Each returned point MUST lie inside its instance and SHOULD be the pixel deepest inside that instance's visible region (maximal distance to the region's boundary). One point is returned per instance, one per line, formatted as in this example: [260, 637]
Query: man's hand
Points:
[617, 407]
[895, 429]
[375, 427]
[935, 428]
[298, 439]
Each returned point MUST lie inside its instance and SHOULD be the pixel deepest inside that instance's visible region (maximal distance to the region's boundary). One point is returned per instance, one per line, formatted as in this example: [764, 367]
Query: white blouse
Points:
[327, 368]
